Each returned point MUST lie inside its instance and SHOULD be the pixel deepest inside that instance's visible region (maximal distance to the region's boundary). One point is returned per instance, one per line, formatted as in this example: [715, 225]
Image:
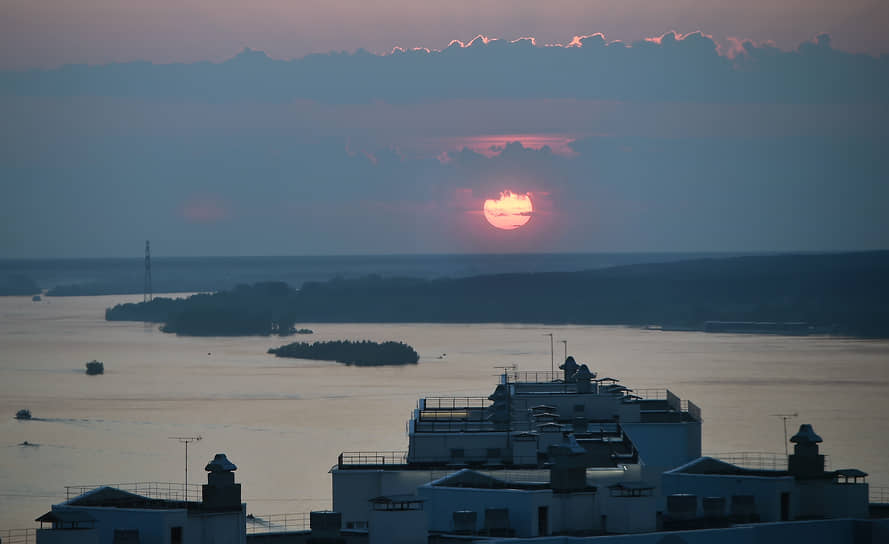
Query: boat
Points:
[94, 368]
[23, 414]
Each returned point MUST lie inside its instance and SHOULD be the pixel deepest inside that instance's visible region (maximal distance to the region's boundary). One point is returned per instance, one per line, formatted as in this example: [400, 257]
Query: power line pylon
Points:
[147, 294]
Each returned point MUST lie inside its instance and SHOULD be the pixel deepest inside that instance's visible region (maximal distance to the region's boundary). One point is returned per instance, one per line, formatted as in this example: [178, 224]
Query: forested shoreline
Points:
[845, 294]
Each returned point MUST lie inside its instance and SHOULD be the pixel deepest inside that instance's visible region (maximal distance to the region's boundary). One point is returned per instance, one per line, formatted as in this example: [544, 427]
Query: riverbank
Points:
[841, 294]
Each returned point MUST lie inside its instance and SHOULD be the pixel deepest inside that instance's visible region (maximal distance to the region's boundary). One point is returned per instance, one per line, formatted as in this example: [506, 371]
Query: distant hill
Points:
[844, 293]
[118, 276]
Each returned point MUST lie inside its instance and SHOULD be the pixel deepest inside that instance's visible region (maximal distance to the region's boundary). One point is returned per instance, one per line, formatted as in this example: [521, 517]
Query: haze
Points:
[227, 128]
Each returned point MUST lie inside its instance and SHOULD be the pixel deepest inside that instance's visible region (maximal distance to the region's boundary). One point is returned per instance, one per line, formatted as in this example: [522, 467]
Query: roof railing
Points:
[371, 458]
[165, 491]
[454, 403]
[876, 495]
[278, 523]
[19, 536]
[753, 460]
[651, 394]
[534, 376]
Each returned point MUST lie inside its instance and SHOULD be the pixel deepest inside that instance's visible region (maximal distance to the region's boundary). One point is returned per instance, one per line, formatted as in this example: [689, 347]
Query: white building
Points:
[573, 455]
[108, 515]
[804, 491]
[515, 434]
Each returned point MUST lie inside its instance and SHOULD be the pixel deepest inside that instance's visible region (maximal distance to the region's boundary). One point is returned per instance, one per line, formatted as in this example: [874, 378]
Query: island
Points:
[360, 353]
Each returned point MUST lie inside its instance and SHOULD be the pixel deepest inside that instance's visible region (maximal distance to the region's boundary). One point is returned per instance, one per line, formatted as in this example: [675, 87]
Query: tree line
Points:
[840, 293]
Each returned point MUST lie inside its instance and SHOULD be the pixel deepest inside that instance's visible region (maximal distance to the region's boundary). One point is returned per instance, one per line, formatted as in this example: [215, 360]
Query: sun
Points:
[510, 211]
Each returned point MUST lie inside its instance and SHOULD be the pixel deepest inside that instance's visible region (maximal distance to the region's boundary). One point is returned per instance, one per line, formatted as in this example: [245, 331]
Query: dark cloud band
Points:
[670, 68]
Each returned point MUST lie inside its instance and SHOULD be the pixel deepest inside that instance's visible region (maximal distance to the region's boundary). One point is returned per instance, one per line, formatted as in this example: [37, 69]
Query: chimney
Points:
[805, 461]
[570, 368]
[221, 492]
[583, 377]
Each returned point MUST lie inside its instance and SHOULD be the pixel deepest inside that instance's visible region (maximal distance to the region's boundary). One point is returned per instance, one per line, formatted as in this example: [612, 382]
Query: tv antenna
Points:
[785, 417]
[186, 440]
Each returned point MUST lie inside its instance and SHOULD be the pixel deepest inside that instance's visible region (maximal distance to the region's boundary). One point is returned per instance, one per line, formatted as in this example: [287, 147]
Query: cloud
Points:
[667, 68]
[671, 144]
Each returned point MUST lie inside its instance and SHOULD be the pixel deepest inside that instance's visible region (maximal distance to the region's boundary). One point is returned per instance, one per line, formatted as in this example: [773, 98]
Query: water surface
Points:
[284, 421]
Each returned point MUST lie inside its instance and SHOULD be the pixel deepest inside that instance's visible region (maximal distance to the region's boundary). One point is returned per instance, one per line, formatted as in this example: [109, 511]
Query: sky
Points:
[289, 128]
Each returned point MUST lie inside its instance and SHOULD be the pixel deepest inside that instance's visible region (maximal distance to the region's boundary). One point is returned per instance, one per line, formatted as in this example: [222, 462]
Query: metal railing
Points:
[278, 523]
[453, 403]
[651, 394]
[165, 491]
[876, 495]
[757, 460]
[753, 460]
[534, 376]
[19, 536]
[371, 458]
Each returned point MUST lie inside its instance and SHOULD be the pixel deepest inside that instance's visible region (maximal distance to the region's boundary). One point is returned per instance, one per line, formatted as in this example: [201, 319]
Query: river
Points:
[284, 421]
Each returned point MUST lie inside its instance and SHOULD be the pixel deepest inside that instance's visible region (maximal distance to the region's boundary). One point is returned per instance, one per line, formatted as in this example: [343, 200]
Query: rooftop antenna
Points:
[552, 354]
[147, 295]
[565, 343]
[186, 440]
[785, 417]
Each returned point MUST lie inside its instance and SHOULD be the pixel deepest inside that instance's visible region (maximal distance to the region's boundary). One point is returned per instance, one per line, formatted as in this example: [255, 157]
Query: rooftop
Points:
[155, 495]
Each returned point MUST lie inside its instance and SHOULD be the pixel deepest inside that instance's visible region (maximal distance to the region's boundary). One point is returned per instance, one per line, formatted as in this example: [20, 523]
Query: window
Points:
[175, 535]
[493, 453]
[456, 453]
[578, 408]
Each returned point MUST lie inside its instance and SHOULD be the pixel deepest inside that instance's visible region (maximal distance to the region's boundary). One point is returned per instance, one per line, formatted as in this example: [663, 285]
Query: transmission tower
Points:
[147, 294]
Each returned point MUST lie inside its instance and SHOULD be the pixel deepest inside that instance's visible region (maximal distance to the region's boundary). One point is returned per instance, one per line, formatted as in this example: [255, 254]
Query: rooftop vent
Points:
[806, 462]
[221, 492]
[220, 463]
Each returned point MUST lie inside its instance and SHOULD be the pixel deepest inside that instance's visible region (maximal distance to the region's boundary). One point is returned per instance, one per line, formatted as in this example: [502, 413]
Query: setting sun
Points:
[510, 211]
